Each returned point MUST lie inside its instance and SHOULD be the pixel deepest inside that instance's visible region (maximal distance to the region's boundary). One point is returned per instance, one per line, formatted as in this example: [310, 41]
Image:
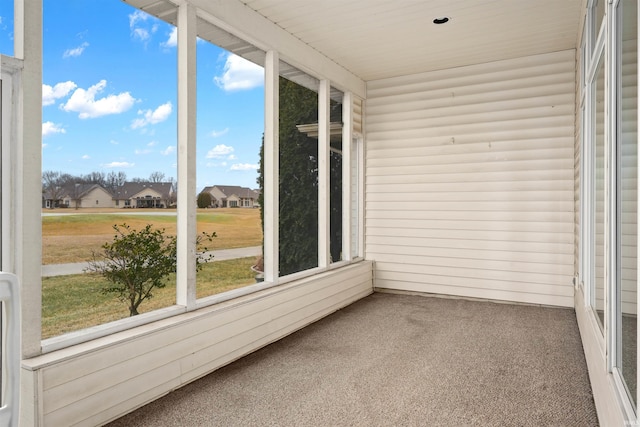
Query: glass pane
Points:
[598, 12]
[108, 159]
[6, 27]
[628, 187]
[230, 125]
[599, 196]
[335, 176]
[355, 197]
[298, 166]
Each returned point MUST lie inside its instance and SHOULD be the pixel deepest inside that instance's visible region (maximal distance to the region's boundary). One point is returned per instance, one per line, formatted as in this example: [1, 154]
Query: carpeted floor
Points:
[400, 360]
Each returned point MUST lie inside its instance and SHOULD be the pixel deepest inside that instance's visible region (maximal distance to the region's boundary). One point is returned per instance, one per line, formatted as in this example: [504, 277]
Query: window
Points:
[230, 126]
[335, 175]
[130, 122]
[230, 108]
[598, 301]
[626, 134]
[596, 17]
[298, 173]
[6, 29]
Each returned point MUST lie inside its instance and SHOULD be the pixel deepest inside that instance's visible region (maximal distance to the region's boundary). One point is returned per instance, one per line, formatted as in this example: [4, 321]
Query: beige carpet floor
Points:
[399, 360]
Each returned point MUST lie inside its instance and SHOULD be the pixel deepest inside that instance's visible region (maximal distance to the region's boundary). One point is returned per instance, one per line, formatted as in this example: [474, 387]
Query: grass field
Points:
[73, 235]
[70, 303]
[74, 302]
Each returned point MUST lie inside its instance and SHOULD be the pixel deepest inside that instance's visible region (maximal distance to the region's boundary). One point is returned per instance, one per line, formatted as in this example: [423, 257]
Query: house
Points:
[492, 154]
[76, 195]
[144, 195]
[232, 196]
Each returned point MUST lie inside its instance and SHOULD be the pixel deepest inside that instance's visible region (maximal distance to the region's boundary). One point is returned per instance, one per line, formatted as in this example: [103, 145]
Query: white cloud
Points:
[170, 149]
[145, 151]
[239, 74]
[216, 133]
[232, 157]
[219, 151]
[152, 144]
[86, 157]
[44, 146]
[60, 90]
[119, 165]
[114, 142]
[76, 51]
[216, 165]
[172, 41]
[139, 29]
[136, 17]
[158, 115]
[85, 103]
[243, 167]
[50, 128]
[141, 34]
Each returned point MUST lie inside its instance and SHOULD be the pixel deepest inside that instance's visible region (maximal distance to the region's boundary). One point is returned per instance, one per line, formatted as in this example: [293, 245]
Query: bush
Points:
[204, 200]
[137, 262]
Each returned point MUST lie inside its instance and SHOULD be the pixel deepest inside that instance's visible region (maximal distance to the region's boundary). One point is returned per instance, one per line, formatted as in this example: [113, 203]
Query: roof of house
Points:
[73, 191]
[230, 190]
[130, 189]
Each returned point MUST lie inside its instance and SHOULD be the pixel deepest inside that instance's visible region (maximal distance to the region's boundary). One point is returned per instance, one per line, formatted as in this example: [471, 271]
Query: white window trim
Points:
[10, 72]
[185, 281]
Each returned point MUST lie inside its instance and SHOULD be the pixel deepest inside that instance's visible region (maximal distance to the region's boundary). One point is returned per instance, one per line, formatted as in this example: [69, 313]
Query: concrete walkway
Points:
[219, 255]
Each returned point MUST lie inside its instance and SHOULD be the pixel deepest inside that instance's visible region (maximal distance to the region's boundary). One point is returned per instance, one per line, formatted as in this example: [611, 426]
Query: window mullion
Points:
[323, 173]
[271, 165]
[186, 222]
[347, 146]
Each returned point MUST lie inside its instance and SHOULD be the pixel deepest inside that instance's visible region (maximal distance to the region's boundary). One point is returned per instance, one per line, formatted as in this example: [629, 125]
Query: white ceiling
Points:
[376, 39]
[381, 38]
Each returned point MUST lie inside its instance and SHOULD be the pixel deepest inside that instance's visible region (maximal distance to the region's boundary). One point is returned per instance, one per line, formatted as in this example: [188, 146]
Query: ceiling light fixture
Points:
[442, 20]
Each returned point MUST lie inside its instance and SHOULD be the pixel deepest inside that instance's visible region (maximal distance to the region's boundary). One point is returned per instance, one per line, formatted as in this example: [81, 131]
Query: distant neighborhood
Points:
[66, 192]
[231, 196]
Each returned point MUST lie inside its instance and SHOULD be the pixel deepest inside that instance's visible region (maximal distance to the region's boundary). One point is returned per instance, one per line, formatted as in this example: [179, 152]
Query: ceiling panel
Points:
[381, 38]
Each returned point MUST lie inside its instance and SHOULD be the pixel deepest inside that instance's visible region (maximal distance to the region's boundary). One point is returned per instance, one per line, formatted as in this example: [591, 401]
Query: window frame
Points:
[185, 282]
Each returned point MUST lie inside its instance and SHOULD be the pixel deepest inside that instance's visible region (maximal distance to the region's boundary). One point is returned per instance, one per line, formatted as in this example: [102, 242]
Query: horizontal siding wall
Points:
[470, 180]
[93, 383]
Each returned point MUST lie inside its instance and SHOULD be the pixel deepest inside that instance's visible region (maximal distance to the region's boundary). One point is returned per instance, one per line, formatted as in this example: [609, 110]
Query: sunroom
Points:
[462, 149]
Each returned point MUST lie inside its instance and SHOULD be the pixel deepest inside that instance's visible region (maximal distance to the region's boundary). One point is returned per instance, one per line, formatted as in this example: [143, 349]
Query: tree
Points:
[298, 186]
[95, 178]
[115, 180]
[298, 181]
[204, 199]
[173, 193]
[137, 262]
[156, 176]
[75, 192]
[52, 183]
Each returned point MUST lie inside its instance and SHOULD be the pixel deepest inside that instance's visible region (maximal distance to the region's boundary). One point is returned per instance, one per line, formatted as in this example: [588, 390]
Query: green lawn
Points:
[73, 238]
[70, 303]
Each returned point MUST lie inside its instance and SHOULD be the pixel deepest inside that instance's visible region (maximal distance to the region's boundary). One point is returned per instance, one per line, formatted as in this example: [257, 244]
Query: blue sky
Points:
[109, 96]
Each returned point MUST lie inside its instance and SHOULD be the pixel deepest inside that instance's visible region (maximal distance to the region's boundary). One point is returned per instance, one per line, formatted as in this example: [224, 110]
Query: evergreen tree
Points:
[298, 182]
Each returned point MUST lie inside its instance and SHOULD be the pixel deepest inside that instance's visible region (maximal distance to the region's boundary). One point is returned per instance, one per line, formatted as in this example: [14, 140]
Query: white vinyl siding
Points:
[96, 382]
[470, 180]
[629, 178]
[97, 198]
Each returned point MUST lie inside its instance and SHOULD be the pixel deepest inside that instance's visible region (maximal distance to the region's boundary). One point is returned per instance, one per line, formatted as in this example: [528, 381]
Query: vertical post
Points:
[271, 166]
[186, 227]
[347, 173]
[637, 211]
[323, 173]
[27, 240]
